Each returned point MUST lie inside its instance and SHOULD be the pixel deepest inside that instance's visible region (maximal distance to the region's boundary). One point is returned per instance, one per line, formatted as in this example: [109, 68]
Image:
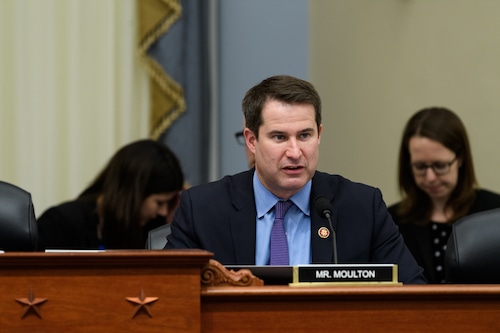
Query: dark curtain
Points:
[182, 52]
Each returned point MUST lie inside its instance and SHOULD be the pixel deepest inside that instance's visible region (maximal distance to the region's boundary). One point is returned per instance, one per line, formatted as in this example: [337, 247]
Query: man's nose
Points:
[293, 149]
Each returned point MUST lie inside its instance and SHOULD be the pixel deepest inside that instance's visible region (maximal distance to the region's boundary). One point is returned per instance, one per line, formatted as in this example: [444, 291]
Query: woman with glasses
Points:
[437, 184]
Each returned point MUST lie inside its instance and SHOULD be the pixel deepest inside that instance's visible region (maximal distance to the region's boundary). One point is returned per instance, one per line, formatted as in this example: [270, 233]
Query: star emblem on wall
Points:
[142, 302]
[32, 304]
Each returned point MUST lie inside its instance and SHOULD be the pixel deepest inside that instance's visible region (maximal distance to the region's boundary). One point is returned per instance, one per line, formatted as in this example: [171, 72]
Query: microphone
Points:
[324, 209]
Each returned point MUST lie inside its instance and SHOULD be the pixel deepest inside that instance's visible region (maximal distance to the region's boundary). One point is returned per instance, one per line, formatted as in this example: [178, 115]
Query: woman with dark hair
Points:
[138, 190]
[438, 186]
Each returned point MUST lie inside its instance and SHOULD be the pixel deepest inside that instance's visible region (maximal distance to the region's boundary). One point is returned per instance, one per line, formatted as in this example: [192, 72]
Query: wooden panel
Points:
[317, 309]
[91, 292]
[88, 292]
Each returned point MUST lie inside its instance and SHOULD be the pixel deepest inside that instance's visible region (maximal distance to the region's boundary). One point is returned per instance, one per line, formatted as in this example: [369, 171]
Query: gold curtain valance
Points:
[167, 96]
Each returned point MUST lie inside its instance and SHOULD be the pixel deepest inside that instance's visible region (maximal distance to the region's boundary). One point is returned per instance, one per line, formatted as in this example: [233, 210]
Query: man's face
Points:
[287, 151]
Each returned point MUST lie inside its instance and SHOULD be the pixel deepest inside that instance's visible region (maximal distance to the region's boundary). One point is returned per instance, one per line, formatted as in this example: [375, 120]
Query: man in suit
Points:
[234, 217]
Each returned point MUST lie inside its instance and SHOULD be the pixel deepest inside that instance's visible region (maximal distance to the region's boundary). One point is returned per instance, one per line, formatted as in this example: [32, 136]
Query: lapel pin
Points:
[323, 232]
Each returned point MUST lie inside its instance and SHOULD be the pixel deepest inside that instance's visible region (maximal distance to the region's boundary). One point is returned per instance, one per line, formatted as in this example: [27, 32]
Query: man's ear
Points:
[250, 139]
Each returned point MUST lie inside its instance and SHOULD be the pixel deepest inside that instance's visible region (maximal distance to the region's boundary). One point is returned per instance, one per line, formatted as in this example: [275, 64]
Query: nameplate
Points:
[345, 274]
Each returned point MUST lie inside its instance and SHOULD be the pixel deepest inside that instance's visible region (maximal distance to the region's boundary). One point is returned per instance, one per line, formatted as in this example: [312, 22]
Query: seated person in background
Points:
[233, 217]
[137, 191]
[438, 186]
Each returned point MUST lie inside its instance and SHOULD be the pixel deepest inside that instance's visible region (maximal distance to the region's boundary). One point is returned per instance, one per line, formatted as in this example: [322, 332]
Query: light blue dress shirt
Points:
[297, 223]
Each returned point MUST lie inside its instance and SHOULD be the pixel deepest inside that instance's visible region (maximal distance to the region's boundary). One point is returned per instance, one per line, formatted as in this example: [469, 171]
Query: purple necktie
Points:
[279, 244]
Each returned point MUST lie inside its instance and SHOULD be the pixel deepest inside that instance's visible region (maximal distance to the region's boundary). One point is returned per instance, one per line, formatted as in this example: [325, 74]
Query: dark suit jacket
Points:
[418, 237]
[220, 217]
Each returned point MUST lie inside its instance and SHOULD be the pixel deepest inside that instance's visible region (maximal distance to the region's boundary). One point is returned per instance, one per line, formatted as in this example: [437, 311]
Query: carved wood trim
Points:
[214, 274]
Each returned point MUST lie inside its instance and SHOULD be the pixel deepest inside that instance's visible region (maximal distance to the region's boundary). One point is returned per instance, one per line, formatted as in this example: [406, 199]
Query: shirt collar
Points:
[265, 200]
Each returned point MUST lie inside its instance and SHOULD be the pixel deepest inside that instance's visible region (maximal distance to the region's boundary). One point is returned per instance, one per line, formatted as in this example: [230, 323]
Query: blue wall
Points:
[258, 39]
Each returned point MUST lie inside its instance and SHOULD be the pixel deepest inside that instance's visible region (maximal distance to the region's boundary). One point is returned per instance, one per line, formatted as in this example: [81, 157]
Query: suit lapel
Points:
[242, 218]
[321, 247]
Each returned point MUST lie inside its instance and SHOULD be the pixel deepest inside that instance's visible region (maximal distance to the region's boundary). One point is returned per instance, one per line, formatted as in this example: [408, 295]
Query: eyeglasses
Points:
[240, 138]
[439, 168]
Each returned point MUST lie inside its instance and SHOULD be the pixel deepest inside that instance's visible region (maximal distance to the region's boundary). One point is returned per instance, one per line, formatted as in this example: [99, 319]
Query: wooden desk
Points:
[430, 308]
[115, 291]
[160, 291]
